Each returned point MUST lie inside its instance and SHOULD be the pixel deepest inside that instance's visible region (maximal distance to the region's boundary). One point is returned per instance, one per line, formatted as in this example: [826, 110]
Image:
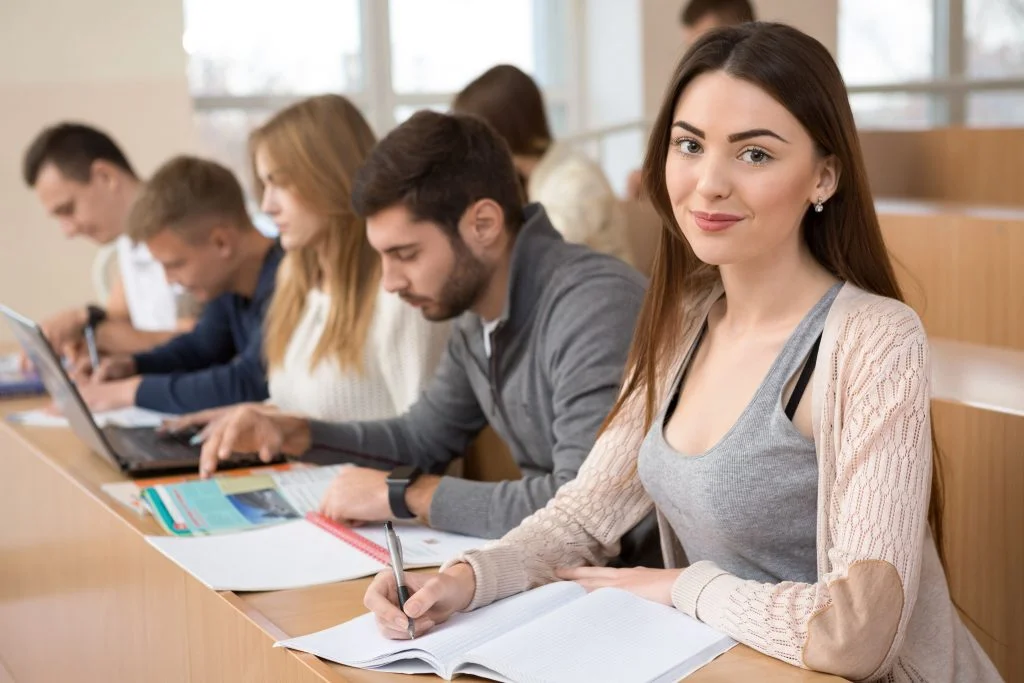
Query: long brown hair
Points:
[846, 239]
[511, 103]
[317, 145]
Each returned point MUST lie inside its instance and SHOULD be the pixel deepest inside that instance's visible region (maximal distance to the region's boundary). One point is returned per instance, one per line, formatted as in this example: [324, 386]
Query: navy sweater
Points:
[218, 363]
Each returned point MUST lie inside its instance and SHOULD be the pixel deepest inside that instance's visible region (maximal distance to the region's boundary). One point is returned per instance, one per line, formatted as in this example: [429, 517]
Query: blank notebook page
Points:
[610, 635]
[359, 643]
[290, 555]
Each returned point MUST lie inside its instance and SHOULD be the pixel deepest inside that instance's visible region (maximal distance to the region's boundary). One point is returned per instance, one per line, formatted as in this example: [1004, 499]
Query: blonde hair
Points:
[317, 145]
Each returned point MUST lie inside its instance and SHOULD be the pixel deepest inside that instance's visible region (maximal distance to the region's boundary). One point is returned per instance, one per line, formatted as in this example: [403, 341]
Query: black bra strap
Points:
[802, 380]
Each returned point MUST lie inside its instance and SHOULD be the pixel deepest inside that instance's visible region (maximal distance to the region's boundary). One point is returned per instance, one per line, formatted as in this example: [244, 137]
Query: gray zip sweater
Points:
[554, 372]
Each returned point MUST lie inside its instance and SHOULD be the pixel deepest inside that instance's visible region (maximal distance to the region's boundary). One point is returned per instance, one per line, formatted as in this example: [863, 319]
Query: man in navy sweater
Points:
[192, 217]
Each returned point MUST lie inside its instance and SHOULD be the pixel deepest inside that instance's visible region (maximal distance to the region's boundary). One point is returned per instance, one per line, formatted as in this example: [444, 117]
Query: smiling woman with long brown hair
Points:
[775, 411]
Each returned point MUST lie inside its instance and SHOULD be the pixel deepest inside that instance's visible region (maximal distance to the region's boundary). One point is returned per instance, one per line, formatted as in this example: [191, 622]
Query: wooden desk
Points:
[83, 597]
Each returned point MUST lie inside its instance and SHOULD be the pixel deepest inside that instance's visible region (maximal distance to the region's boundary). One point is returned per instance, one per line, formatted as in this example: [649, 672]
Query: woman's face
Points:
[299, 225]
[741, 171]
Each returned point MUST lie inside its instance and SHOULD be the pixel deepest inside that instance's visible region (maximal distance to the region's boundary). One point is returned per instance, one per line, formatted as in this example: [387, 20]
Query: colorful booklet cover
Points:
[129, 493]
[237, 503]
[15, 382]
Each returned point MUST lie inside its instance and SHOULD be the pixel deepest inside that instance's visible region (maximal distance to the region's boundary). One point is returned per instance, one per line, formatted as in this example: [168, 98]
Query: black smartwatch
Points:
[94, 315]
[398, 482]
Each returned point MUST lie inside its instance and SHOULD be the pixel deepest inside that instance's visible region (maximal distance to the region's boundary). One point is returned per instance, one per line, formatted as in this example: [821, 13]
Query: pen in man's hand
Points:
[395, 551]
[90, 343]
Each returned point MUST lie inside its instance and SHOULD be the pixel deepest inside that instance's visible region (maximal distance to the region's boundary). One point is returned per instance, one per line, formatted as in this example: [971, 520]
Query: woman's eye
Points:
[689, 146]
[756, 156]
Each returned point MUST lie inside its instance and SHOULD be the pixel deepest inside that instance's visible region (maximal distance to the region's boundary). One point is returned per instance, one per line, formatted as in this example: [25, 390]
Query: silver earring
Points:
[819, 206]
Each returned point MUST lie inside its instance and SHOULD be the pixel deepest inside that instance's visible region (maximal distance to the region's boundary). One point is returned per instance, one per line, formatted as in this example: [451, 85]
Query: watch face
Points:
[402, 474]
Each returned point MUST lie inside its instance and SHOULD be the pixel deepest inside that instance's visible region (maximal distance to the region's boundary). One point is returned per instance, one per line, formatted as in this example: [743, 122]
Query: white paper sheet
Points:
[123, 417]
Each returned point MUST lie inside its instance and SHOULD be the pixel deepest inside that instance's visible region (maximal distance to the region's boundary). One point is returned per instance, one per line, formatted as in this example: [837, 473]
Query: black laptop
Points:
[134, 451]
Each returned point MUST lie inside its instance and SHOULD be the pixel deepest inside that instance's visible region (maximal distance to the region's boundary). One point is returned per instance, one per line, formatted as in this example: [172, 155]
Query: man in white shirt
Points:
[83, 179]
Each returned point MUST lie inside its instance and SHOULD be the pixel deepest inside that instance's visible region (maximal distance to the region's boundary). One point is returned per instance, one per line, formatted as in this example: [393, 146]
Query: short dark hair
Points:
[510, 101]
[728, 11]
[436, 166]
[186, 195]
[72, 148]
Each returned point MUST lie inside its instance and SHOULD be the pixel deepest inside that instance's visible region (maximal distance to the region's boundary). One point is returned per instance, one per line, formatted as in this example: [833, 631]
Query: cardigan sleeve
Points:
[851, 622]
[580, 525]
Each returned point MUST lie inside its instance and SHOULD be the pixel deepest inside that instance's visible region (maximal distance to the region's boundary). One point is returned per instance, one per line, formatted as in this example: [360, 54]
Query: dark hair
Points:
[437, 165]
[728, 11]
[187, 195]
[510, 101]
[798, 72]
[72, 148]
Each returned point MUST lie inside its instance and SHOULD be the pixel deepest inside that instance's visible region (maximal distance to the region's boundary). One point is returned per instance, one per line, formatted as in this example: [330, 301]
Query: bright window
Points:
[922, 63]
[250, 58]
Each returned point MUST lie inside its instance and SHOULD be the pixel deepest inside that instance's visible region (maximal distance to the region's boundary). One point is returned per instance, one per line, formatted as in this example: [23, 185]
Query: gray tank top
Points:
[750, 502]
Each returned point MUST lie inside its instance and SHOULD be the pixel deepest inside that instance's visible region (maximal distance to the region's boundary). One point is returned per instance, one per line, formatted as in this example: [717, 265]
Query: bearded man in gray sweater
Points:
[537, 351]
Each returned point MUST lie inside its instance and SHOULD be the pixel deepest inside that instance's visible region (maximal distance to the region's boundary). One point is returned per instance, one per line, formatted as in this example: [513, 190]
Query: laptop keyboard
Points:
[150, 445]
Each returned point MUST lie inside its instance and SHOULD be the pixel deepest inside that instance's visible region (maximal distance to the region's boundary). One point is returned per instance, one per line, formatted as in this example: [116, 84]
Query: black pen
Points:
[395, 551]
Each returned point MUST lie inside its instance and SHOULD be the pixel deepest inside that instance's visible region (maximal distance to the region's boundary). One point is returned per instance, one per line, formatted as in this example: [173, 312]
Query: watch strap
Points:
[396, 499]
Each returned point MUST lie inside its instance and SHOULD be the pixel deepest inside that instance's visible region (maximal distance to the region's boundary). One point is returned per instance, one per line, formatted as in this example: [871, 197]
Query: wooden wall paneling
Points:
[952, 164]
[961, 269]
[984, 519]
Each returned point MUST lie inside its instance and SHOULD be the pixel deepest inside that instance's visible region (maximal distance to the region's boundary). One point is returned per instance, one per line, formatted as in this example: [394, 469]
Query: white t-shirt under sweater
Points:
[402, 351]
[152, 301]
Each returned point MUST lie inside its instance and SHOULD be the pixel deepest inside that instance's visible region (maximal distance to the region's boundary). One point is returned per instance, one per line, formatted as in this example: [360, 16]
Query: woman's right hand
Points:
[435, 597]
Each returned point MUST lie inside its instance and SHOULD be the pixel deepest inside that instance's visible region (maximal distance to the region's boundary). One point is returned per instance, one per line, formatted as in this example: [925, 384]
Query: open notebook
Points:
[306, 552]
[556, 633]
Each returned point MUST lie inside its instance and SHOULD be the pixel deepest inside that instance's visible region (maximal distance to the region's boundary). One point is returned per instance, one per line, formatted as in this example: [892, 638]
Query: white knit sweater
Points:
[401, 354]
[580, 202]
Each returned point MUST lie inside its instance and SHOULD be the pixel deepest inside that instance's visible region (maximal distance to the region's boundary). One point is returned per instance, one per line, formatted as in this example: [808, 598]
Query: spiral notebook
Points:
[15, 382]
[306, 552]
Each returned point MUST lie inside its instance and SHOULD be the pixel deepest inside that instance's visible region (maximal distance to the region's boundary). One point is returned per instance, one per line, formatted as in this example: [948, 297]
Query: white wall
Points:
[118, 65]
[662, 37]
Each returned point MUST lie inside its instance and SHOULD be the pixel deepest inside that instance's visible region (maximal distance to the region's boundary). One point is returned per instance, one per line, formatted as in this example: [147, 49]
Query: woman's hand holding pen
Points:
[434, 599]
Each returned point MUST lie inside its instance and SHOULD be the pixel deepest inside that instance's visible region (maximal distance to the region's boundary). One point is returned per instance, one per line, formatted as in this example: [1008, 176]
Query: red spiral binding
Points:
[351, 537]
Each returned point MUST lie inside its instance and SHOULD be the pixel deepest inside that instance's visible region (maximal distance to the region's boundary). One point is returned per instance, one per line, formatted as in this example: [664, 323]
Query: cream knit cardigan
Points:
[880, 609]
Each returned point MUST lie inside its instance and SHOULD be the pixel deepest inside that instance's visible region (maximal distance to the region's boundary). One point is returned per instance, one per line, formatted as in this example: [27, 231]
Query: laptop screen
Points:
[57, 383]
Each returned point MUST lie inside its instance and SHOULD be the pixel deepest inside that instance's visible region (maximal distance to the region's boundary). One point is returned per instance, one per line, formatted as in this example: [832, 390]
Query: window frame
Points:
[950, 85]
[378, 99]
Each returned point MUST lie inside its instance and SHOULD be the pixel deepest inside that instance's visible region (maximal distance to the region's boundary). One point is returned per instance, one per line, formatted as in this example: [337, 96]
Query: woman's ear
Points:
[828, 179]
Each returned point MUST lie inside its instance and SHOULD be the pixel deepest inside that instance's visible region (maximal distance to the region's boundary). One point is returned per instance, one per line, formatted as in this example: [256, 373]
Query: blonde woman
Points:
[338, 346]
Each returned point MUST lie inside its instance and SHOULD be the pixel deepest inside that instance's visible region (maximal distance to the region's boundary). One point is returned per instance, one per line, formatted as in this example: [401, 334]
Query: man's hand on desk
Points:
[204, 417]
[101, 396]
[360, 494]
[250, 428]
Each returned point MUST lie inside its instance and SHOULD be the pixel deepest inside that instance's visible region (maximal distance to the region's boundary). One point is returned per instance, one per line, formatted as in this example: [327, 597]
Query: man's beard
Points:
[464, 286]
